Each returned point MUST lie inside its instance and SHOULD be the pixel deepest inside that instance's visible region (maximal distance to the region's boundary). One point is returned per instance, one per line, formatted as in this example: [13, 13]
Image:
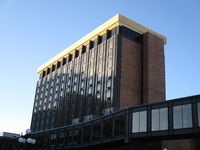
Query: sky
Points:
[32, 32]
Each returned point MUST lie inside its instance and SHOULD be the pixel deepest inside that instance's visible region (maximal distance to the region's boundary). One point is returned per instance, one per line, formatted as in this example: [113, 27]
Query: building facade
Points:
[118, 65]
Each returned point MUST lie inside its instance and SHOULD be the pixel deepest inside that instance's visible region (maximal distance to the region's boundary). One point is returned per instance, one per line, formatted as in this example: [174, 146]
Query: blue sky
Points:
[32, 32]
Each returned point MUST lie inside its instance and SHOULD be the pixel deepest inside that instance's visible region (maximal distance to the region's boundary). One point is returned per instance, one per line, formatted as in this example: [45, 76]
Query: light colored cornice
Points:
[117, 20]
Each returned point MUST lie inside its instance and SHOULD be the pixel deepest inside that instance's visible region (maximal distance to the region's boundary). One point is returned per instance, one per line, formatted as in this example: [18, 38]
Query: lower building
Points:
[9, 141]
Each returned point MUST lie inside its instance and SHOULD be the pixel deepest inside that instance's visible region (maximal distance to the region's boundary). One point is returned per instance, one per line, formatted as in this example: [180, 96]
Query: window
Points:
[198, 107]
[74, 88]
[99, 87]
[110, 53]
[91, 72]
[139, 122]
[109, 83]
[100, 68]
[97, 131]
[62, 86]
[110, 63]
[90, 81]
[61, 94]
[77, 136]
[82, 91]
[107, 128]
[99, 77]
[120, 125]
[82, 84]
[182, 116]
[109, 73]
[159, 119]
[87, 134]
[83, 67]
[108, 94]
[98, 95]
[90, 90]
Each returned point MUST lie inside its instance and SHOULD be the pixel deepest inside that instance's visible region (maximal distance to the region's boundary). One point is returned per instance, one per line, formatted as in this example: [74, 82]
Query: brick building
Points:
[118, 65]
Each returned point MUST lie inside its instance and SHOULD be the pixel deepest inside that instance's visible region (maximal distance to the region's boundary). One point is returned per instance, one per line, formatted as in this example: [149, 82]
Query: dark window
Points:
[182, 116]
[58, 64]
[48, 70]
[99, 39]
[77, 136]
[70, 138]
[91, 44]
[86, 134]
[107, 128]
[120, 125]
[52, 139]
[139, 121]
[108, 34]
[76, 53]
[97, 131]
[159, 119]
[61, 138]
[70, 57]
[43, 73]
[83, 49]
[64, 61]
[198, 107]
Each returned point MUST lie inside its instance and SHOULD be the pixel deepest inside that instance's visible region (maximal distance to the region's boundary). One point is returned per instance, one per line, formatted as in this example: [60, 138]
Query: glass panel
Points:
[187, 116]
[182, 116]
[155, 120]
[177, 117]
[135, 122]
[120, 125]
[70, 137]
[86, 134]
[77, 136]
[52, 139]
[45, 140]
[107, 128]
[61, 138]
[97, 131]
[66, 134]
[163, 119]
[143, 121]
[198, 107]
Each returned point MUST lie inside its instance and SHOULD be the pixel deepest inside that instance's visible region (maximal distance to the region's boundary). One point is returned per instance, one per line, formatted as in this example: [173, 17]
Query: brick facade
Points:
[130, 84]
[142, 71]
[153, 69]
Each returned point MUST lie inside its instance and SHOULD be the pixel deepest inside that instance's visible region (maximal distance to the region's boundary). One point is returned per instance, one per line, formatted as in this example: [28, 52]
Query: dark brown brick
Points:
[130, 84]
[153, 69]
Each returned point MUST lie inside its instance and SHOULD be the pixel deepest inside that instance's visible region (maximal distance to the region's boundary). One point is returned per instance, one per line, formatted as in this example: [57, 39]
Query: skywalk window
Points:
[182, 116]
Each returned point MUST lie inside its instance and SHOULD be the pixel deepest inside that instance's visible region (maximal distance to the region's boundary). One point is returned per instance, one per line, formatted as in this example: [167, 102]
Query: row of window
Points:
[114, 126]
[94, 132]
[70, 85]
[182, 118]
[92, 44]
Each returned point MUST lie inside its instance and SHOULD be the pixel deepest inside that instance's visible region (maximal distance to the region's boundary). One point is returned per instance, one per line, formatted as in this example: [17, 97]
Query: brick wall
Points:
[153, 69]
[130, 83]
[142, 71]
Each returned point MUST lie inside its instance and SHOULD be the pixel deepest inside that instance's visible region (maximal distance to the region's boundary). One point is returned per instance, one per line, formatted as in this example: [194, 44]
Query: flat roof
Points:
[117, 20]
